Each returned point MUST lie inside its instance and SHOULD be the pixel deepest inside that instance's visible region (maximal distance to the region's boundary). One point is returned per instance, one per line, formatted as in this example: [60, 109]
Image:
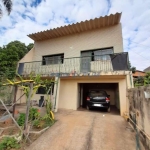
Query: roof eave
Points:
[78, 27]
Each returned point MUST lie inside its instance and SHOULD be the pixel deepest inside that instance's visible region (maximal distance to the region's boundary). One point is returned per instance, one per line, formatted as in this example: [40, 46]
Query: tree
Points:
[10, 54]
[8, 6]
[139, 81]
[142, 81]
[131, 68]
[147, 78]
[30, 46]
[8, 61]
[19, 47]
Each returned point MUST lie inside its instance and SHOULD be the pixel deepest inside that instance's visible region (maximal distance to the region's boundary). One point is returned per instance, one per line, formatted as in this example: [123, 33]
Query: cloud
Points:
[29, 16]
[135, 29]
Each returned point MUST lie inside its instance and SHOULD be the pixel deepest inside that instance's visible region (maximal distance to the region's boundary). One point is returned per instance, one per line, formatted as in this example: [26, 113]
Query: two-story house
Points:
[81, 56]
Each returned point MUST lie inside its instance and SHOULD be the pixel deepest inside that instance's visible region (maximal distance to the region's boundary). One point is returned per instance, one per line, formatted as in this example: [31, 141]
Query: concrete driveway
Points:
[84, 130]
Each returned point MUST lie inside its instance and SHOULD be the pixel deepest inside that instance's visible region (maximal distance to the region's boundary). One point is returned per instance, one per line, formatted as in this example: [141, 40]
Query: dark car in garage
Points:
[99, 99]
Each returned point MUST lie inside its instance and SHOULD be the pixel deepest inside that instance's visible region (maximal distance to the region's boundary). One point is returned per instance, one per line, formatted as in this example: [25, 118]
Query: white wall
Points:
[72, 45]
[29, 56]
[68, 93]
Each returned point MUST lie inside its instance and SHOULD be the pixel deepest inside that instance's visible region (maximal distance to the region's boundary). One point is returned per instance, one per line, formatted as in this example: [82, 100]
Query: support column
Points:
[14, 101]
[122, 96]
[56, 93]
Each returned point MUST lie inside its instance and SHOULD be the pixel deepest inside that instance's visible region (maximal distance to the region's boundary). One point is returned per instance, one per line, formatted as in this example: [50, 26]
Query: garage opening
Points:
[111, 89]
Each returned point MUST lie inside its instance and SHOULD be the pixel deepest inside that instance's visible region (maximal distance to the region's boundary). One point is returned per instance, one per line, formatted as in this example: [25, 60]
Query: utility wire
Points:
[136, 52]
[137, 43]
[141, 55]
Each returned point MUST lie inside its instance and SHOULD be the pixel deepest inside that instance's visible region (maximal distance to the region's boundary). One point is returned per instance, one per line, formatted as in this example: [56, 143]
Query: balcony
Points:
[76, 66]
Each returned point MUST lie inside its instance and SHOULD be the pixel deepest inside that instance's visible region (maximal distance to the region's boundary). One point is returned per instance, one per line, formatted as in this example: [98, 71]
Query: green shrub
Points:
[21, 119]
[8, 143]
[37, 124]
[33, 114]
[48, 120]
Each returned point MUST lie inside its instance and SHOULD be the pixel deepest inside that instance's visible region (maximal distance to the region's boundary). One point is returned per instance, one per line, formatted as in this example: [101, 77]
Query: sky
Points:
[30, 16]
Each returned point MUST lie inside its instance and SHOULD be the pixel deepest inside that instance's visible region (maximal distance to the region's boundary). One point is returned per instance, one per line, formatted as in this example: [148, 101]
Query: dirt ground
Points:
[87, 130]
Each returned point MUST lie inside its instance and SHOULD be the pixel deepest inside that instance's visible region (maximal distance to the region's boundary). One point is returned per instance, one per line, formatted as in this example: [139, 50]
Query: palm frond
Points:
[8, 4]
[1, 12]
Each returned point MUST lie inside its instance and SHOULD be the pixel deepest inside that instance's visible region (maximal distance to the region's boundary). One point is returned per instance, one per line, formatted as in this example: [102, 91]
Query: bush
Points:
[21, 119]
[37, 123]
[8, 143]
[33, 114]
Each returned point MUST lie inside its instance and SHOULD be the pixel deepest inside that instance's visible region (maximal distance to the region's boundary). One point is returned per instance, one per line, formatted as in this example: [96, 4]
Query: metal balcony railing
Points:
[75, 66]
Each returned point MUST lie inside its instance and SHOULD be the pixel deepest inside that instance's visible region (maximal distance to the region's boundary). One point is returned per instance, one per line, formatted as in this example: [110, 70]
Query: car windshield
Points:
[97, 93]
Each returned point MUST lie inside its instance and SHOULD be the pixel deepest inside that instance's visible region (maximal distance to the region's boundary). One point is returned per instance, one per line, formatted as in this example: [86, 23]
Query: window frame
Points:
[53, 56]
[94, 50]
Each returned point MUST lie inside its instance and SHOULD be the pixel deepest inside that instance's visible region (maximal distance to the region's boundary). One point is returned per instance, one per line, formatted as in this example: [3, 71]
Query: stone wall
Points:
[139, 111]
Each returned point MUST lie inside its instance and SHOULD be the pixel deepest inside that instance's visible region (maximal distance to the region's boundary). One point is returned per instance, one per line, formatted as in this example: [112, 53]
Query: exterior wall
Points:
[35, 97]
[6, 94]
[117, 99]
[29, 56]
[23, 99]
[19, 94]
[140, 112]
[72, 45]
[112, 95]
[68, 93]
[129, 79]
[130, 84]
[38, 96]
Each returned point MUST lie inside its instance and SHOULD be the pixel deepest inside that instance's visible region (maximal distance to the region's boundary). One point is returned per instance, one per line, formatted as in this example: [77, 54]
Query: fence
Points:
[69, 66]
[139, 110]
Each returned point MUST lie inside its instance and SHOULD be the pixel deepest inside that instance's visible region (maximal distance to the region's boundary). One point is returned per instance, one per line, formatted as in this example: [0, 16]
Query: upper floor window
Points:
[99, 54]
[53, 59]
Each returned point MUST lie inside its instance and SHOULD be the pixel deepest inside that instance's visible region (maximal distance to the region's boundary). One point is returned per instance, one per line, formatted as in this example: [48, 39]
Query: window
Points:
[101, 54]
[53, 59]
[42, 90]
[97, 93]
